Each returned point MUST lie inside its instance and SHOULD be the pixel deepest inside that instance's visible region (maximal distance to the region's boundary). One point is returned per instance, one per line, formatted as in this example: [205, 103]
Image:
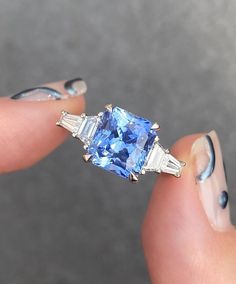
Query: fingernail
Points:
[38, 94]
[75, 87]
[211, 180]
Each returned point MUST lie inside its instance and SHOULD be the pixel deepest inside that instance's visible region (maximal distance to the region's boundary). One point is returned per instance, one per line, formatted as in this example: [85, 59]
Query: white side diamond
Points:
[69, 121]
[159, 160]
[82, 127]
[87, 129]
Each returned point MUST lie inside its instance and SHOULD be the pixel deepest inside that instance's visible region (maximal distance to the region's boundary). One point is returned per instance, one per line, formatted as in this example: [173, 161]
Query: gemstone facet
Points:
[121, 142]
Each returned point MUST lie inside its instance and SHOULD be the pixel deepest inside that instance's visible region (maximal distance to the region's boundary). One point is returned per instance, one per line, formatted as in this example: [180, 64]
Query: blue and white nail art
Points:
[223, 199]
[38, 94]
[211, 165]
[75, 87]
[211, 180]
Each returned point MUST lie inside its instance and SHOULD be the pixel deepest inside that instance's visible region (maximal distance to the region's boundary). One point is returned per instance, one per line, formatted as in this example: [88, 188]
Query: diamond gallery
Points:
[121, 142]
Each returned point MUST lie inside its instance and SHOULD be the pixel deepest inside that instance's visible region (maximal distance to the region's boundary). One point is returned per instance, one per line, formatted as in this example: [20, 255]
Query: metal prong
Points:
[182, 163]
[178, 175]
[143, 172]
[64, 113]
[74, 134]
[108, 107]
[87, 157]
[156, 139]
[133, 177]
[83, 115]
[155, 126]
[167, 151]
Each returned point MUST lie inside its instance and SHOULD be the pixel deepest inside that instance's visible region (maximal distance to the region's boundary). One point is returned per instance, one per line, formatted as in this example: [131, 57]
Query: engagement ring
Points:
[121, 142]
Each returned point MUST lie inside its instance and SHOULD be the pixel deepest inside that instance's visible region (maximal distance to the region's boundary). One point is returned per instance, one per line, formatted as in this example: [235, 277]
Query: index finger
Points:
[27, 122]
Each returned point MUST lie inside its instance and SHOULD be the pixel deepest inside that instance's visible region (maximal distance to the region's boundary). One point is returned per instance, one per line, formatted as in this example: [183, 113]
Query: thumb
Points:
[187, 228]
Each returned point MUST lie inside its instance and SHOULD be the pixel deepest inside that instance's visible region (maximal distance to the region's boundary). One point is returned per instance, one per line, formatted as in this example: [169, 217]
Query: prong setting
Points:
[143, 172]
[87, 157]
[182, 163]
[64, 113]
[155, 126]
[109, 107]
[133, 177]
[156, 140]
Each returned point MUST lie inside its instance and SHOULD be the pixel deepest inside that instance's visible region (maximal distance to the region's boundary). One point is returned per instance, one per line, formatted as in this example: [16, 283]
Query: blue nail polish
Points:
[223, 199]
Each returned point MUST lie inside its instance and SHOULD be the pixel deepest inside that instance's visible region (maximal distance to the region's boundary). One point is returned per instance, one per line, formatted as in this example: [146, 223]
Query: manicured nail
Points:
[38, 94]
[76, 87]
[211, 180]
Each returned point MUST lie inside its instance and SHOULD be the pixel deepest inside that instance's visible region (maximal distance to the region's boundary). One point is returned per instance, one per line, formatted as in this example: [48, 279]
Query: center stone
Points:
[121, 142]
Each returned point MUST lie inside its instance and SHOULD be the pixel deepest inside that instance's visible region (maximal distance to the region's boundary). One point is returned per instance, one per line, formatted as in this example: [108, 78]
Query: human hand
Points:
[187, 235]
[27, 122]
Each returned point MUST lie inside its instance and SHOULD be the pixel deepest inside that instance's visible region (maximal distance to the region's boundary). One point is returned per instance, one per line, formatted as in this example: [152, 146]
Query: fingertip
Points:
[174, 224]
[170, 192]
[28, 124]
[187, 226]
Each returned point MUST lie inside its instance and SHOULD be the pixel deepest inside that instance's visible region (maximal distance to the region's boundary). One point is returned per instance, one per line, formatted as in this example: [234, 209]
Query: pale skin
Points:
[180, 245]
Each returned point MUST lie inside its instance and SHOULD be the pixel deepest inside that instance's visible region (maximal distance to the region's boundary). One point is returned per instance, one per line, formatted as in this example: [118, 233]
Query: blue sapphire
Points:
[122, 142]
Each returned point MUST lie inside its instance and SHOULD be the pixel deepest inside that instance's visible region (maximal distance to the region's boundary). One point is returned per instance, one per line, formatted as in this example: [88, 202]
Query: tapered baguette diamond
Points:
[86, 130]
[159, 160]
[82, 127]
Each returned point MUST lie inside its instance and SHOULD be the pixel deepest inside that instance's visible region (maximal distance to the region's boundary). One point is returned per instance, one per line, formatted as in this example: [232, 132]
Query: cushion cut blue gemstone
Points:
[121, 142]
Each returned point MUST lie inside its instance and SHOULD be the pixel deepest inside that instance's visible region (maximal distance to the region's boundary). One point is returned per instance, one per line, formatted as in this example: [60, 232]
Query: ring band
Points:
[121, 142]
